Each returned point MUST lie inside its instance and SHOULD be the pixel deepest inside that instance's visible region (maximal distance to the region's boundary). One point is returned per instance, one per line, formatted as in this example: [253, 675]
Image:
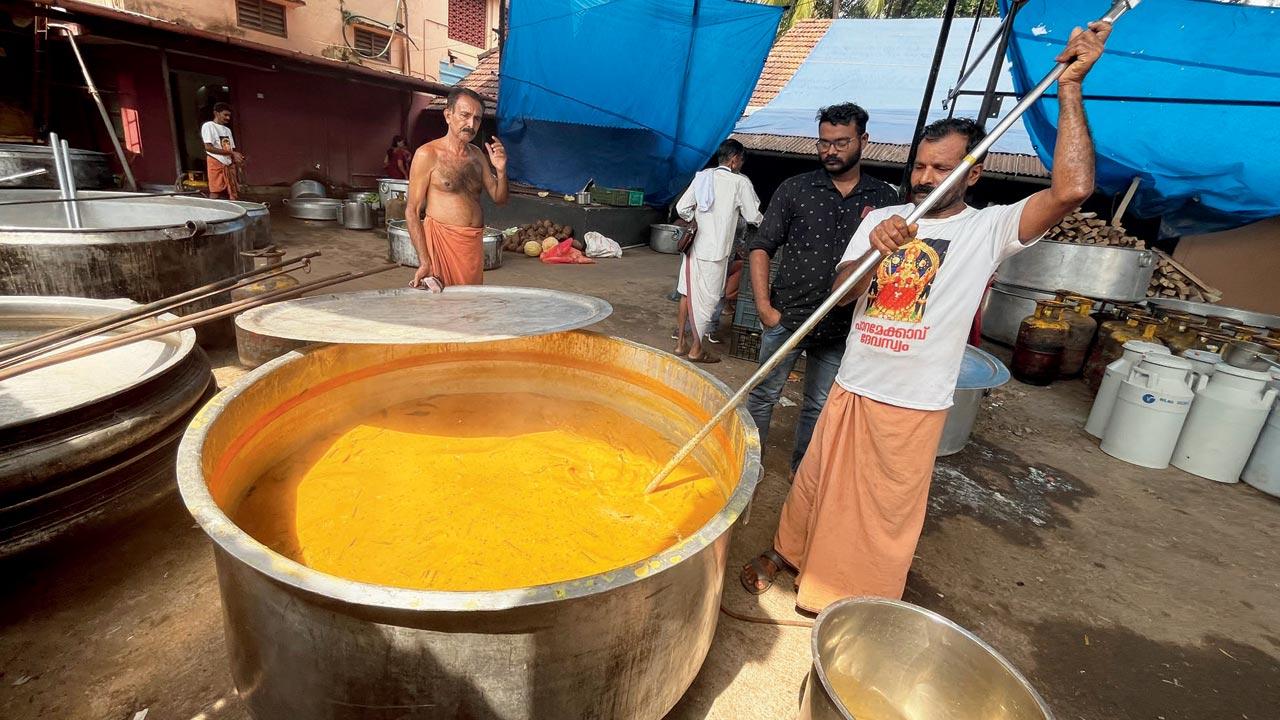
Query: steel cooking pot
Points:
[1097, 271]
[307, 189]
[356, 215]
[313, 208]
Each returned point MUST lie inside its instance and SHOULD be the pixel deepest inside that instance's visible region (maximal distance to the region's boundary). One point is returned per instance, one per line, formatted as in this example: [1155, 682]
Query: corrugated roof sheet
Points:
[1003, 163]
[788, 54]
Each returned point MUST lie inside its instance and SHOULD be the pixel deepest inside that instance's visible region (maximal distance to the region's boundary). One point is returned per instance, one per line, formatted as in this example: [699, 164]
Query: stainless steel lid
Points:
[407, 316]
[980, 370]
[59, 388]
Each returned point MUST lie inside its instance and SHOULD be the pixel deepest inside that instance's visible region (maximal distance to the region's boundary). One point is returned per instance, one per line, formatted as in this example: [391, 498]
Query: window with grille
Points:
[467, 21]
[261, 15]
[371, 44]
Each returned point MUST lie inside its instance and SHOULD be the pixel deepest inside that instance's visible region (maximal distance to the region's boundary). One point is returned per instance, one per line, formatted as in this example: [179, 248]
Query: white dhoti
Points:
[707, 280]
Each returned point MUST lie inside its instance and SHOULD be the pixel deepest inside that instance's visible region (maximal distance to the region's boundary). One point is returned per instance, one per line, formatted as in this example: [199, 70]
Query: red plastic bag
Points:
[564, 253]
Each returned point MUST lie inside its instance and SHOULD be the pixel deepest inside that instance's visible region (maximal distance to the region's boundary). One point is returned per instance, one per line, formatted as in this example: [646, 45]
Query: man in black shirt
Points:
[808, 225]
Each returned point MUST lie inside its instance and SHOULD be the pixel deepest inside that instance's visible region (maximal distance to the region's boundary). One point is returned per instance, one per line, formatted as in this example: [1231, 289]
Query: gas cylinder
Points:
[1151, 408]
[1263, 469]
[1176, 333]
[254, 349]
[1210, 339]
[1109, 319]
[1042, 338]
[1080, 334]
[1224, 424]
[1249, 333]
[1109, 348]
[1116, 372]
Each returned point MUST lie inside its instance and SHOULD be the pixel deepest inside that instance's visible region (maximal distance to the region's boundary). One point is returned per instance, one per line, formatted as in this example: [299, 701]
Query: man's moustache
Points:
[923, 189]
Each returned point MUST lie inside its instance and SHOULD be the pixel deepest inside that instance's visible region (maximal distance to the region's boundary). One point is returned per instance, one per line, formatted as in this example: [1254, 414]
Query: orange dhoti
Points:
[457, 253]
[222, 178]
[855, 511]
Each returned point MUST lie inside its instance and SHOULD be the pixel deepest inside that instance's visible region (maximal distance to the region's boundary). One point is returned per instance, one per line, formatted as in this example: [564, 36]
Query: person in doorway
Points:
[717, 197]
[807, 226]
[852, 520]
[446, 177]
[222, 160]
[398, 159]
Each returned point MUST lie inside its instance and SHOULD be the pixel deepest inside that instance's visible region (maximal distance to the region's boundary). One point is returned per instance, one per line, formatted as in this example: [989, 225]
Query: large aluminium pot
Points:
[312, 208]
[356, 215]
[1096, 271]
[135, 246]
[259, 230]
[1005, 307]
[92, 169]
[980, 372]
[401, 250]
[95, 436]
[392, 189]
[621, 644]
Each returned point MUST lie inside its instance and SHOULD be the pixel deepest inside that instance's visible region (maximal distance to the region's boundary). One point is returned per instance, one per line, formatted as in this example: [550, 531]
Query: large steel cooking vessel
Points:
[622, 644]
[392, 189]
[94, 436]
[1096, 271]
[92, 169]
[1005, 307]
[136, 246]
[311, 208]
[891, 659]
[401, 248]
[259, 230]
[307, 189]
[1204, 310]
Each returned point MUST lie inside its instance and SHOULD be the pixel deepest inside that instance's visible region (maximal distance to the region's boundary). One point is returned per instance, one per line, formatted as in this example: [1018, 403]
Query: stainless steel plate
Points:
[57, 389]
[406, 316]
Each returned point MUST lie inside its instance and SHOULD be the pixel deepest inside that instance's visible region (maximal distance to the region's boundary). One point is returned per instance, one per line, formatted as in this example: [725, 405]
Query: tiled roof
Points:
[1027, 166]
[484, 80]
[788, 54]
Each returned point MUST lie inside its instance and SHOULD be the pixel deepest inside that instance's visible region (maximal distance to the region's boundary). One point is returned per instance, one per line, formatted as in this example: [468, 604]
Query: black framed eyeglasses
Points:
[841, 144]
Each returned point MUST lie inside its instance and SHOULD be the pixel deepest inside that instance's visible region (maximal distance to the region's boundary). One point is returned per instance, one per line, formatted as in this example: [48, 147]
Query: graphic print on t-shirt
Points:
[900, 289]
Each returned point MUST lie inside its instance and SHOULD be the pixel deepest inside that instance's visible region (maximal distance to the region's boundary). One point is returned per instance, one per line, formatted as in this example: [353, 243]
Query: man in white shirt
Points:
[716, 198]
[222, 160]
[854, 514]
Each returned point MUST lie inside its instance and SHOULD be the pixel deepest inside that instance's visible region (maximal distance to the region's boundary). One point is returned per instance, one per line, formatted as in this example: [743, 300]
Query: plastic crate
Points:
[744, 344]
[617, 197]
[744, 312]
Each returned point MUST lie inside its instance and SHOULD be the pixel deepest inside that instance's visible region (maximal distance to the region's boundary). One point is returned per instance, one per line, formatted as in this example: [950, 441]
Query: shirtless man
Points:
[446, 177]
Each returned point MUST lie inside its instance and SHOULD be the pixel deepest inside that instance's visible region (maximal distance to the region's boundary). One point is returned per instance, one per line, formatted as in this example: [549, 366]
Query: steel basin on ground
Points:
[621, 644]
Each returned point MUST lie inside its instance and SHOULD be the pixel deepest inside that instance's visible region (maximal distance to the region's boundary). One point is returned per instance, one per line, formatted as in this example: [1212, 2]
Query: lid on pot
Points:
[408, 316]
[1141, 346]
[980, 370]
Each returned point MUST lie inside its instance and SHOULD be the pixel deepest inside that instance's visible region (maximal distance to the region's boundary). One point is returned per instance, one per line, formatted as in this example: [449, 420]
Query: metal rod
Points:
[63, 342]
[70, 32]
[98, 324]
[927, 100]
[60, 176]
[872, 259]
[23, 174]
[188, 321]
[69, 172]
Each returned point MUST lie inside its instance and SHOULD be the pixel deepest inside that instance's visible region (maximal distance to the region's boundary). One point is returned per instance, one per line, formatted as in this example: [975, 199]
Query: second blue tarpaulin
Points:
[632, 94]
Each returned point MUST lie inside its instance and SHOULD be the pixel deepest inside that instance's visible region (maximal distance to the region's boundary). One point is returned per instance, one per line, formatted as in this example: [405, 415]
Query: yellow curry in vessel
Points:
[478, 491]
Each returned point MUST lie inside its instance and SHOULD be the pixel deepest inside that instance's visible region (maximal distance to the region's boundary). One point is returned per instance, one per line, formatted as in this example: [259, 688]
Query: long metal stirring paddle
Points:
[872, 260]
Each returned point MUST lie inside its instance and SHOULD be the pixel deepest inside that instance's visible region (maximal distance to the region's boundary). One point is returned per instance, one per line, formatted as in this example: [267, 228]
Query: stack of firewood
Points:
[1171, 279]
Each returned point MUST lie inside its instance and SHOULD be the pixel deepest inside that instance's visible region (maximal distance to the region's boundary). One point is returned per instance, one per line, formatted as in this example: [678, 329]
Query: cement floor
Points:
[1122, 593]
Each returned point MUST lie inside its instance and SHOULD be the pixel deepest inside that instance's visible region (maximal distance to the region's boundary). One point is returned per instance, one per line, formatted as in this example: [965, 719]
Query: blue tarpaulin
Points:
[883, 65]
[1187, 98]
[630, 93]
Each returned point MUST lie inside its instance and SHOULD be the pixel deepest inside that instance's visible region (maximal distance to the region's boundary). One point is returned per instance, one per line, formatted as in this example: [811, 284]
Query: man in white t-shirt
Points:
[222, 160]
[854, 514]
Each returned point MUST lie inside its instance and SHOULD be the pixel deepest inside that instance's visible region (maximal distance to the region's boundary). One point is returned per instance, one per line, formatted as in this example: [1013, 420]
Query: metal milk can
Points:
[1202, 361]
[1151, 407]
[1080, 335]
[1225, 421]
[1263, 469]
[1116, 372]
[1042, 339]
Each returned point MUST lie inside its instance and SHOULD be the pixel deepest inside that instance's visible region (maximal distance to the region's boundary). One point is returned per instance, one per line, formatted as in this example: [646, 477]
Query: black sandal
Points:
[759, 567]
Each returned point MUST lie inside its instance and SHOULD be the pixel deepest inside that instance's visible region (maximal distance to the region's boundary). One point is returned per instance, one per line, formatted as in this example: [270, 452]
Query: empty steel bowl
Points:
[877, 659]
